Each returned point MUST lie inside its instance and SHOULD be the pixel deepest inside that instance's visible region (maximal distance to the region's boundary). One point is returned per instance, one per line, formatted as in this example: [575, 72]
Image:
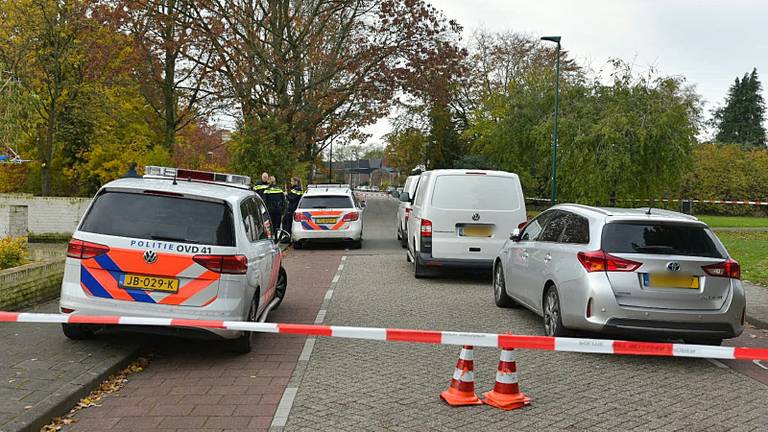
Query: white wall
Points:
[48, 215]
[13, 220]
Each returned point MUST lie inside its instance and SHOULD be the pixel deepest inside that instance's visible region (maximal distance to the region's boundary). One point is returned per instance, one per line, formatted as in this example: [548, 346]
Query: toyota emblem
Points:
[673, 266]
[150, 257]
[475, 217]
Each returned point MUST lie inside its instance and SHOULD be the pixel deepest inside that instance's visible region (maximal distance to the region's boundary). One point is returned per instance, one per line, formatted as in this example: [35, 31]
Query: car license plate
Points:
[325, 220]
[476, 231]
[150, 283]
[670, 281]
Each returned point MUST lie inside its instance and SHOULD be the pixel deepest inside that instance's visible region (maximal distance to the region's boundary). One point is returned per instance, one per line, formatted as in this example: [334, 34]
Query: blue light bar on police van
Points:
[152, 171]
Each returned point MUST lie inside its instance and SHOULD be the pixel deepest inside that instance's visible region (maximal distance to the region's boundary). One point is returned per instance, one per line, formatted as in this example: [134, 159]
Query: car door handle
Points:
[524, 255]
[547, 258]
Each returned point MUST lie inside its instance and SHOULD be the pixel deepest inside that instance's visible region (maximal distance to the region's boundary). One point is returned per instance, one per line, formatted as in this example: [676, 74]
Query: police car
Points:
[174, 244]
[328, 213]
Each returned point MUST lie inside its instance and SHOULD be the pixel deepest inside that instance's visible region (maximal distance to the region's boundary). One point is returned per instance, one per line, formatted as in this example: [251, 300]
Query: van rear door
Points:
[473, 213]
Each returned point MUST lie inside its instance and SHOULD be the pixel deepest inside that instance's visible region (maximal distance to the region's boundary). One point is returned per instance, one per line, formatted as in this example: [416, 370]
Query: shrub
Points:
[13, 252]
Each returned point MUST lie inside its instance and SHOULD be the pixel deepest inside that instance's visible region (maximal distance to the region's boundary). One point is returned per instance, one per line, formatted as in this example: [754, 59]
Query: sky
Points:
[709, 42]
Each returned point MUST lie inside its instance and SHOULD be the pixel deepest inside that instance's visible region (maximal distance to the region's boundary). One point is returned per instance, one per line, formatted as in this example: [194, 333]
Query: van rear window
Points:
[326, 201]
[661, 239]
[157, 217]
[476, 192]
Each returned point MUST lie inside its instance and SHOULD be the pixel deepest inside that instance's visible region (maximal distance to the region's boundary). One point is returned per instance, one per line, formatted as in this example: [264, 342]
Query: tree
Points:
[165, 39]
[40, 43]
[741, 119]
[316, 71]
[405, 149]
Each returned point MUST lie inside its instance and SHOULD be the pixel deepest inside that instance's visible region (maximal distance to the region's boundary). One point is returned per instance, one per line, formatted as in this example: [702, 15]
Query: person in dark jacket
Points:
[131, 171]
[274, 198]
[263, 185]
[294, 196]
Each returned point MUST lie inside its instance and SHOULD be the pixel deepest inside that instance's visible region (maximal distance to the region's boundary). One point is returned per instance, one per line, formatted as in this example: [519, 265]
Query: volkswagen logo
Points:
[150, 257]
[673, 266]
[475, 217]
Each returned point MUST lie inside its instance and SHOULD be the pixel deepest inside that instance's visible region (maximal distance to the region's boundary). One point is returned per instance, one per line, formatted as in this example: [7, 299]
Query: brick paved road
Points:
[198, 385]
[365, 385]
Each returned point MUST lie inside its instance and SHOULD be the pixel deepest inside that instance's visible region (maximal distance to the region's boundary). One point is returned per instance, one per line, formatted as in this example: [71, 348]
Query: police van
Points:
[178, 244]
[328, 213]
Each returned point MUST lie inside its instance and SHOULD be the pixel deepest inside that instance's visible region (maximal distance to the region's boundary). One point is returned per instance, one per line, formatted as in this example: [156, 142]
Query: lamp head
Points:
[551, 38]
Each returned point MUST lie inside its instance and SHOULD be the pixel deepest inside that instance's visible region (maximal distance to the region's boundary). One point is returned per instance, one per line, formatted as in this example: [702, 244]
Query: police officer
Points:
[263, 185]
[274, 198]
[294, 195]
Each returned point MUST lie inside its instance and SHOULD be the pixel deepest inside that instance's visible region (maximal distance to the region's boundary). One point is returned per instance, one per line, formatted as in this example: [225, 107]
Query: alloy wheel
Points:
[551, 313]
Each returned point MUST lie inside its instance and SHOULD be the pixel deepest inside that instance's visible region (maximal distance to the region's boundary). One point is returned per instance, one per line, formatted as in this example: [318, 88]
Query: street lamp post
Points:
[330, 166]
[553, 172]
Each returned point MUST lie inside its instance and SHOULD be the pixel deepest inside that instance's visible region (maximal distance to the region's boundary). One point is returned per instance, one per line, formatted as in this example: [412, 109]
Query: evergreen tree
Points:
[741, 119]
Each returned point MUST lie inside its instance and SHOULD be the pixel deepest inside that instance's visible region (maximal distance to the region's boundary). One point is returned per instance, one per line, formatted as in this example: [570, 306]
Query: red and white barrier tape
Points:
[546, 343]
[695, 201]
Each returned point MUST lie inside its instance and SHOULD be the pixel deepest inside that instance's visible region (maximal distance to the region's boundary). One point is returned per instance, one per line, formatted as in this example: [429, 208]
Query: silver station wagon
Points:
[642, 273]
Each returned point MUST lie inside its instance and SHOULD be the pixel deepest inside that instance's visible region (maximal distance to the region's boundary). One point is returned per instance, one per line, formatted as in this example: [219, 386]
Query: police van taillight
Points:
[81, 249]
[227, 264]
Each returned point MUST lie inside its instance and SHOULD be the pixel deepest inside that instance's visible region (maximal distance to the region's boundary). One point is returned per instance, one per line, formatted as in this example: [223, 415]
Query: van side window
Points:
[265, 223]
[248, 222]
[420, 193]
[576, 229]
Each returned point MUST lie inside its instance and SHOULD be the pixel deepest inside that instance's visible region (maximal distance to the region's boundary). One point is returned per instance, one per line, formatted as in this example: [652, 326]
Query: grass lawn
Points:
[735, 221]
[750, 249]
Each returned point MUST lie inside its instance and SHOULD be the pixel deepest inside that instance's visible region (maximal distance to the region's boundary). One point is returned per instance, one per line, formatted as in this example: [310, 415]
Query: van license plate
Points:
[325, 220]
[669, 281]
[475, 231]
[150, 283]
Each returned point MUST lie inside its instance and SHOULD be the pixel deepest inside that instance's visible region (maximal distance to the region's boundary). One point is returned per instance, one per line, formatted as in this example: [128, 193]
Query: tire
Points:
[78, 331]
[357, 244]
[244, 343]
[553, 321]
[500, 296]
[297, 245]
[404, 241]
[280, 287]
[705, 341]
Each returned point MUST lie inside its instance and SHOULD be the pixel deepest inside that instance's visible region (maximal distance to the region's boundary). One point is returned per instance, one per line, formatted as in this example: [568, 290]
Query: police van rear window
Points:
[158, 217]
[326, 201]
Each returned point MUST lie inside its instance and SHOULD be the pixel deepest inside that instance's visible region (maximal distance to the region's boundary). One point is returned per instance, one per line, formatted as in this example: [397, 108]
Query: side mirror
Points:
[405, 197]
[283, 237]
[395, 194]
[362, 204]
[515, 235]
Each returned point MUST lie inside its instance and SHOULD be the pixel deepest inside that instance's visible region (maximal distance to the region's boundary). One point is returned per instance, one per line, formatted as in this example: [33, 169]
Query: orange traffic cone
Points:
[462, 389]
[506, 392]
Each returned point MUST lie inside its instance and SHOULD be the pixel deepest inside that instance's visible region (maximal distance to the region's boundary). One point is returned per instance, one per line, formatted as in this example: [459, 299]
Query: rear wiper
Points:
[173, 239]
[652, 248]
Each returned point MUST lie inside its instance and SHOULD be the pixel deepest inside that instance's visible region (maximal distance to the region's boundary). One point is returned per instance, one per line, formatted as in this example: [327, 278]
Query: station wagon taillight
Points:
[85, 250]
[600, 261]
[351, 217]
[300, 217]
[228, 264]
[729, 268]
[426, 228]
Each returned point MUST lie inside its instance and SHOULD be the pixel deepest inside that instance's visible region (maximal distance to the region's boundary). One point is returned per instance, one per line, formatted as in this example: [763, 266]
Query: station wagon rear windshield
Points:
[158, 217]
[325, 201]
[477, 192]
[661, 239]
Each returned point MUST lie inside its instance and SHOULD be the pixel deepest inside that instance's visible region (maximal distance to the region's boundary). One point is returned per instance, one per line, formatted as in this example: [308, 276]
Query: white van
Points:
[404, 208]
[461, 218]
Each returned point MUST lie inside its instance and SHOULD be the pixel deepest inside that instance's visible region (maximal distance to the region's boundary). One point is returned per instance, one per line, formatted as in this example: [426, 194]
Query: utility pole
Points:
[330, 165]
[553, 172]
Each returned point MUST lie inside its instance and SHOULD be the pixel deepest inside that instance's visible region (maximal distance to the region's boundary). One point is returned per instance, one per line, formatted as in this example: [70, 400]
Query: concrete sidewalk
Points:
[43, 374]
[757, 305]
